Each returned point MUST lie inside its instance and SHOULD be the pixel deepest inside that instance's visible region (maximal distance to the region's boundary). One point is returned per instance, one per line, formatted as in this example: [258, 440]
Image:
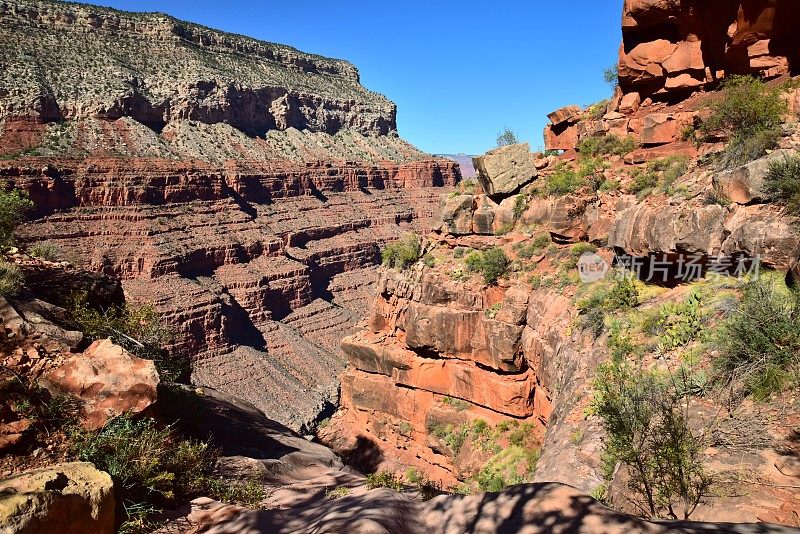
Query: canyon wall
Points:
[245, 188]
[670, 47]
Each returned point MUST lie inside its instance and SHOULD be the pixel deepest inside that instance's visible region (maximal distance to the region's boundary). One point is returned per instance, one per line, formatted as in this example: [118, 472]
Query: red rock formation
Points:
[250, 211]
[671, 47]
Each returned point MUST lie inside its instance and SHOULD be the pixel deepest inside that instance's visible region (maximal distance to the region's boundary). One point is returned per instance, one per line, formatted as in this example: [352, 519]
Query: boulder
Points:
[566, 114]
[663, 128]
[504, 171]
[68, 498]
[630, 103]
[108, 379]
[745, 184]
[484, 215]
[455, 215]
[557, 138]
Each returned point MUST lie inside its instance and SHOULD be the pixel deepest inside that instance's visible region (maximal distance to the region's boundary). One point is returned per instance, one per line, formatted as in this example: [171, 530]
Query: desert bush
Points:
[606, 145]
[532, 248]
[660, 174]
[507, 137]
[152, 467]
[384, 479]
[782, 182]
[492, 264]
[14, 206]
[136, 328]
[611, 76]
[11, 279]
[402, 253]
[749, 114]
[603, 300]
[679, 323]
[520, 203]
[647, 430]
[760, 343]
[45, 250]
[563, 181]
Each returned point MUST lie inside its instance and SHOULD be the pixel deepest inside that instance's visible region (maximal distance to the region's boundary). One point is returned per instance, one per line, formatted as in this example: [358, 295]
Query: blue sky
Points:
[458, 71]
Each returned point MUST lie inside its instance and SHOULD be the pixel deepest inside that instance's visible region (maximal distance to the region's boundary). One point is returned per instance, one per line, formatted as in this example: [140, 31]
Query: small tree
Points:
[14, 206]
[647, 430]
[611, 76]
[749, 114]
[507, 137]
[402, 253]
[492, 264]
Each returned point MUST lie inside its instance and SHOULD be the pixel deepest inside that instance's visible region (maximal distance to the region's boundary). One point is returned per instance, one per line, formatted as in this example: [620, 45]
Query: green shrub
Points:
[505, 229]
[606, 145]
[782, 182]
[507, 137]
[578, 249]
[760, 342]
[152, 467]
[384, 479]
[534, 247]
[749, 113]
[337, 493]
[648, 432]
[11, 279]
[45, 250]
[678, 324]
[621, 295]
[402, 253]
[136, 328]
[14, 206]
[659, 174]
[607, 186]
[563, 181]
[611, 76]
[492, 264]
[520, 203]
[643, 180]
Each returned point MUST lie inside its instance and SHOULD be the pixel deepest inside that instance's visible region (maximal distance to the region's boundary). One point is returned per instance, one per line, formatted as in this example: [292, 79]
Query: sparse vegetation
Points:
[507, 137]
[782, 182]
[760, 343]
[137, 328]
[647, 430]
[622, 294]
[45, 250]
[606, 145]
[403, 253]
[659, 175]
[14, 206]
[11, 279]
[338, 492]
[152, 467]
[384, 479]
[611, 76]
[492, 264]
[533, 247]
[749, 114]
[520, 203]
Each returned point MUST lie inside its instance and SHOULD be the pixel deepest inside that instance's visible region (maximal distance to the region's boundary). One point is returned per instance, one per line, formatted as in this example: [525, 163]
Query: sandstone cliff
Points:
[670, 47]
[243, 187]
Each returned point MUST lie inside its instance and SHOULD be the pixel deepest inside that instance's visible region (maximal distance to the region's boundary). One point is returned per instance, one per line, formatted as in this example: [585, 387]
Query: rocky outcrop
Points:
[245, 188]
[108, 380]
[432, 355]
[71, 498]
[672, 47]
[505, 170]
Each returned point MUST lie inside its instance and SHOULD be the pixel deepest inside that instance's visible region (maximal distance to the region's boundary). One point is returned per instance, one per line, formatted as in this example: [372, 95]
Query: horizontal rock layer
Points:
[158, 70]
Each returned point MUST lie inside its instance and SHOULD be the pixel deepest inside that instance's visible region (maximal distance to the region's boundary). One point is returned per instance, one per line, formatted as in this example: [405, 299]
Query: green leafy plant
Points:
[153, 467]
[45, 250]
[680, 323]
[749, 114]
[507, 137]
[492, 264]
[11, 279]
[611, 76]
[647, 430]
[782, 182]
[14, 207]
[520, 203]
[622, 294]
[606, 145]
[136, 328]
[403, 253]
[384, 479]
[760, 342]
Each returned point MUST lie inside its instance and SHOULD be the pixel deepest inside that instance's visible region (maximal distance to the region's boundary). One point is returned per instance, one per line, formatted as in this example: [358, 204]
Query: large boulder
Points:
[455, 214]
[505, 170]
[745, 184]
[68, 498]
[108, 379]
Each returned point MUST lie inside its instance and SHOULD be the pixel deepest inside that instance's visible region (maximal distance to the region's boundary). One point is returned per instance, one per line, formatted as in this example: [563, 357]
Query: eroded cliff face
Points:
[243, 187]
[670, 47]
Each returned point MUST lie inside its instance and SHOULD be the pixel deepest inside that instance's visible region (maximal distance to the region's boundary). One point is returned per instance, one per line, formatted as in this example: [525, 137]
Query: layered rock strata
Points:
[243, 187]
